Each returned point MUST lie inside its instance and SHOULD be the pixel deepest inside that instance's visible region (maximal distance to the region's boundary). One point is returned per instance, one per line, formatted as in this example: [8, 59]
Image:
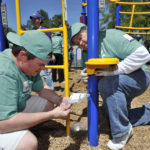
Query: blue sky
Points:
[28, 7]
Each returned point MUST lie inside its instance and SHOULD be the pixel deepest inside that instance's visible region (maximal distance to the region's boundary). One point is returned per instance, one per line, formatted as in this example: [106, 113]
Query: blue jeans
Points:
[117, 93]
[49, 81]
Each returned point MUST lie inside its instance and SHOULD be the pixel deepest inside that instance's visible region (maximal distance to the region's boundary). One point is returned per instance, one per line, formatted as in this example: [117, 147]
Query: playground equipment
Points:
[65, 36]
[83, 19]
[132, 13]
[2, 41]
[92, 64]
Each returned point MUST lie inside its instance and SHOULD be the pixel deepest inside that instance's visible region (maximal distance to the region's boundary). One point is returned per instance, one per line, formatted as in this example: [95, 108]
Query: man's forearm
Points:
[24, 121]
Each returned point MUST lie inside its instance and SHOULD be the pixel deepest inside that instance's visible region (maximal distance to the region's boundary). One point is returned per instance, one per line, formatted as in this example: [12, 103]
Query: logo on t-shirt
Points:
[25, 86]
[128, 37]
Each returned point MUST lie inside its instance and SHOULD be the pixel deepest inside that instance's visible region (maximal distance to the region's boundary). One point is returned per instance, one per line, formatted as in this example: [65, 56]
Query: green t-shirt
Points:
[57, 42]
[117, 44]
[16, 87]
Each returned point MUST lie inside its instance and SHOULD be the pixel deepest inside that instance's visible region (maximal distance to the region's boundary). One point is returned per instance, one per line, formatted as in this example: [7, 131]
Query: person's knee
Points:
[104, 89]
[108, 85]
[28, 142]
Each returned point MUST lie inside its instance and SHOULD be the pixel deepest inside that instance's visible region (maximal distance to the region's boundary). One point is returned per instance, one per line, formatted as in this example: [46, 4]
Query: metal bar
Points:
[93, 28]
[132, 15]
[45, 30]
[133, 28]
[66, 74]
[142, 33]
[54, 66]
[83, 12]
[133, 3]
[135, 13]
[2, 47]
[18, 18]
[118, 18]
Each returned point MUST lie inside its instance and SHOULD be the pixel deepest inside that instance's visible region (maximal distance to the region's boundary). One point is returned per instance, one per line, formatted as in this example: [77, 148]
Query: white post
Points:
[65, 7]
[101, 6]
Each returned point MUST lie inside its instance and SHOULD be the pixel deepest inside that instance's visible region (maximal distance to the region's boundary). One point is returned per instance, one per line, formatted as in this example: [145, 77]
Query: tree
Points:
[46, 21]
[109, 17]
[28, 26]
[57, 20]
[6, 30]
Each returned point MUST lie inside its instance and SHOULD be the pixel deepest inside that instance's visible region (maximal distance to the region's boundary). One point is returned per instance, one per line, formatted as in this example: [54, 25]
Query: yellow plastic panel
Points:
[93, 64]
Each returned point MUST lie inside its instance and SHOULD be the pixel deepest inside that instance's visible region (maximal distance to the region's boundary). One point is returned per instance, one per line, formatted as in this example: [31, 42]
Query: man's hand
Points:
[65, 102]
[84, 76]
[61, 111]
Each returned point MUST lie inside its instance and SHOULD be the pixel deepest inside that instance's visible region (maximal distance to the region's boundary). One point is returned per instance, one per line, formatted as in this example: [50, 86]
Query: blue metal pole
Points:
[1, 31]
[118, 18]
[93, 28]
[84, 12]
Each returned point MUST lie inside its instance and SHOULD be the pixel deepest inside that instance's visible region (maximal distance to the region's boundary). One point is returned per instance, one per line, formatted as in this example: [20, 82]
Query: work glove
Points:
[84, 76]
[110, 71]
[77, 97]
[107, 73]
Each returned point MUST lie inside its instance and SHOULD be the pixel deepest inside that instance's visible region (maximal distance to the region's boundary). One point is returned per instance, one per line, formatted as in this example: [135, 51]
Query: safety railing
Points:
[132, 13]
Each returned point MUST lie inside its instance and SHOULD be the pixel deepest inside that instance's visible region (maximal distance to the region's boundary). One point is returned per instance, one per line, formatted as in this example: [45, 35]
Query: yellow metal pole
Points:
[131, 21]
[65, 36]
[133, 3]
[113, 1]
[47, 30]
[133, 28]
[84, 4]
[135, 13]
[142, 33]
[18, 18]
[54, 66]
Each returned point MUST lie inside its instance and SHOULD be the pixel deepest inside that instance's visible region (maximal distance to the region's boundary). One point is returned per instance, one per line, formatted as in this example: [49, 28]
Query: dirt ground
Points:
[52, 134]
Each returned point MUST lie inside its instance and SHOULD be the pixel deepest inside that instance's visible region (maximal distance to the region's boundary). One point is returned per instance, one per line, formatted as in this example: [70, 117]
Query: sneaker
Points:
[119, 143]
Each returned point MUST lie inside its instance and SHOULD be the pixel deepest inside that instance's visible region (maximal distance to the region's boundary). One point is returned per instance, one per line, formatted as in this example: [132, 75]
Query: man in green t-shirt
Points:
[37, 23]
[19, 76]
[120, 86]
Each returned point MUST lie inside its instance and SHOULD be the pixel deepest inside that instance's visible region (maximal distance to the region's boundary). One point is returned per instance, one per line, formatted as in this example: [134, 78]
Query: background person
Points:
[57, 42]
[19, 76]
[37, 21]
[140, 39]
[119, 87]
